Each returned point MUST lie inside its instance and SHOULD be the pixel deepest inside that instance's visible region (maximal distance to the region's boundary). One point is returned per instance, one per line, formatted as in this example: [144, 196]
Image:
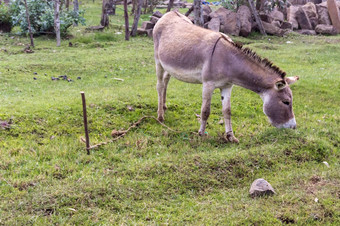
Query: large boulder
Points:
[291, 16]
[287, 25]
[277, 15]
[214, 24]
[311, 12]
[232, 24]
[206, 9]
[303, 20]
[323, 14]
[244, 16]
[221, 13]
[306, 32]
[272, 29]
[325, 29]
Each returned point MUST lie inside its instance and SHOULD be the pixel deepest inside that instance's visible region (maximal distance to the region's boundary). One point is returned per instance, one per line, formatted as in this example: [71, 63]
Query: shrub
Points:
[5, 18]
[42, 16]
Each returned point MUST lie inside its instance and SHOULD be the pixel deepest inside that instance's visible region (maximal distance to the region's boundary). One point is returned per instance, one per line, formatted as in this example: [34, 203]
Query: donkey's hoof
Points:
[231, 138]
[160, 118]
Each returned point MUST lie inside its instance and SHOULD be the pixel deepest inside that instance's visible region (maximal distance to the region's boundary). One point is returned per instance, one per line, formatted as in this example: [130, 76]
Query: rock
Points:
[277, 15]
[206, 18]
[310, 10]
[157, 14]
[313, 21]
[291, 16]
[214, 24]
[266, 18]
[221, 13]
[261, 187]
[149, 32]
[244, 16]
[95, 28]
[141, 31]
[276, 23]
[147, 25]
[303, 20]
[206, 10]
[232, 24]
[272, 30]
[323, 16]
[334, 14]
[325, 29]
[286, 25]
[154, 19]
[306, 32]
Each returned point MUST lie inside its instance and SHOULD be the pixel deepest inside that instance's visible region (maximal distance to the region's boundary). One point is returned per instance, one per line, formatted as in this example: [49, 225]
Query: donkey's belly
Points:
[185, 75]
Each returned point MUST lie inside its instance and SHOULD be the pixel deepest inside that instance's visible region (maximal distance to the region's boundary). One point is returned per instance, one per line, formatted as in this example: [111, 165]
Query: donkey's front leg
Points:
[208, 89]
[226, 110]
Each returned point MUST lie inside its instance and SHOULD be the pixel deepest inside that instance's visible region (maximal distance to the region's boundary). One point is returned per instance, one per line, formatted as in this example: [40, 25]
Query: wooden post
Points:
[257, 18]
[87, 139]
[198, 11]
[105, 21]
[126, 16]
[57, 21]
[170, 5]
[29, 24]
[333, 12]
[136, 19]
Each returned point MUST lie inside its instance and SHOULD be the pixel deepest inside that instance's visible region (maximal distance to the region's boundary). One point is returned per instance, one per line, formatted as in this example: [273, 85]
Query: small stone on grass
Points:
[261, 187]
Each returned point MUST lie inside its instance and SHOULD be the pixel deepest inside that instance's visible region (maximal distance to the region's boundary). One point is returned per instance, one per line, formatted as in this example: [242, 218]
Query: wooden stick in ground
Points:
[170, 5]
[189, 11]
[257, 18]
[87, 139]
[29, 24]
[126, 16]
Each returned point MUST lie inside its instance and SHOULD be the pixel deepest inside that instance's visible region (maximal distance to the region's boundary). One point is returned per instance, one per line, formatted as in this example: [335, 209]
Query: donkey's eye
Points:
[285, 102]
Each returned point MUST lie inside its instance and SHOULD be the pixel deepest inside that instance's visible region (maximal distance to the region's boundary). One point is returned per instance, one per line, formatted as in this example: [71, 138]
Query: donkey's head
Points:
[278, 104]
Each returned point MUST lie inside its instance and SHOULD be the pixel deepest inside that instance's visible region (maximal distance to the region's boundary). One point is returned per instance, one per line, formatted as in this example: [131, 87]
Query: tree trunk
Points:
[189, 11]
[29, 24]
[198, 10]
[134, 6]
[145, 6]
[105, 18]
[170, 5]
[136, 19]
[126, 16]
[57, 21]
[67, 4]
[257, 18]
[76, 10]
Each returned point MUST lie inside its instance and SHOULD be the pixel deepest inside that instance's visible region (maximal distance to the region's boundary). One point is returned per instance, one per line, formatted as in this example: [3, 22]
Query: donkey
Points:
[196, 55]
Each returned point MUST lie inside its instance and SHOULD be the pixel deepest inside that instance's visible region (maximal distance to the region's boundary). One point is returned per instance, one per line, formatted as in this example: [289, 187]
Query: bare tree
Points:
[126, 16]
[198, 11]
[76, 10]
[67, 4]
[29, 24]
[57, 20]
[136, 19]
[105, 18]
[170, 5]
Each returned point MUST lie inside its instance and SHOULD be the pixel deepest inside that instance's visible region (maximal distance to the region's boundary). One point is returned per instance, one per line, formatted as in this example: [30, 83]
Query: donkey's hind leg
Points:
[161, 91]
[166, 78]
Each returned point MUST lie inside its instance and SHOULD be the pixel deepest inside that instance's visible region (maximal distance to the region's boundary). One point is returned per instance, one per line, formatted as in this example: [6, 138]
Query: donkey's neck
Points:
[251, 74]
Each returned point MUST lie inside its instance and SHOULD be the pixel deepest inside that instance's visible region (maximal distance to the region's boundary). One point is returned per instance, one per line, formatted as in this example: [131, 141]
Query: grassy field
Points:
[153, 175]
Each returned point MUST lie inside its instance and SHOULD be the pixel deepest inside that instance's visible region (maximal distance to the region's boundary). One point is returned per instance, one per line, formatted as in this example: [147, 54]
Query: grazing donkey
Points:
[196, 55]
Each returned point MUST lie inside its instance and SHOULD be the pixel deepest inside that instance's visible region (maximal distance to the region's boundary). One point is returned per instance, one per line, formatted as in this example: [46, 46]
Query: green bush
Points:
[42, 16]
[5, 18]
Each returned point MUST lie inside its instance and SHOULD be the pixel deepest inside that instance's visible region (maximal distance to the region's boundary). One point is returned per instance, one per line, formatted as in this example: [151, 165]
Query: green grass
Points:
[153, 175]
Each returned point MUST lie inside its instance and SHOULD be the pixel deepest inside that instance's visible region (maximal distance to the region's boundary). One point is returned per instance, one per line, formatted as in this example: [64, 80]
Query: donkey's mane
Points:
[263, 61]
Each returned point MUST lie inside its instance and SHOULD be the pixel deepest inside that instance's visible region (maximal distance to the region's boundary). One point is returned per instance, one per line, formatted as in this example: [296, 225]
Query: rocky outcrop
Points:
[244, 16]
[323, 17]
[291, 16]
[232, 24]
[303, 20]
[325, 29]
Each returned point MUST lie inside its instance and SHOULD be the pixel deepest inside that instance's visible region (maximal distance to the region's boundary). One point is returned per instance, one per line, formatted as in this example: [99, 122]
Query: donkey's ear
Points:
[291, 80]
[280, 84]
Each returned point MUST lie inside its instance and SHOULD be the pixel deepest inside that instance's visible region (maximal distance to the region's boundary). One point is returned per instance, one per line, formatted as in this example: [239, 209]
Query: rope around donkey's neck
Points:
[121, 133]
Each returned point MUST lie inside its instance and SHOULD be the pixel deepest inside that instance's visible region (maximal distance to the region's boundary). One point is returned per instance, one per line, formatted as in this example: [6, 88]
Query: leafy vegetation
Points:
[42, 16]
[154, 175]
